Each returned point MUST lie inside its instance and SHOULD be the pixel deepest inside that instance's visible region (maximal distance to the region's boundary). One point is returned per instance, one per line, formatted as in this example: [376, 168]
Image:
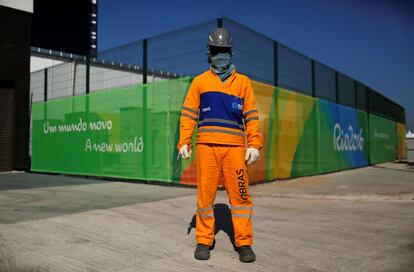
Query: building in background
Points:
[67, 26]
[15, 25]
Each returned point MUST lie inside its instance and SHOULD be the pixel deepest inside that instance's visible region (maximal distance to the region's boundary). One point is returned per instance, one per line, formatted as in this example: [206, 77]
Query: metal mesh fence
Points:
[384, 107]
[37, 81]
[294, 70]
[252, 52]
[70, 77]
[183, 53]
[131, 53]
[361, 97]
[346, 91]
[325, 82]
[59, 80]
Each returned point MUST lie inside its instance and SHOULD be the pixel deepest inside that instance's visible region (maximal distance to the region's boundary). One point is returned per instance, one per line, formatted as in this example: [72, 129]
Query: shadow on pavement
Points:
[409, 168]
[18, 180]
[223, 222]
[27, 196]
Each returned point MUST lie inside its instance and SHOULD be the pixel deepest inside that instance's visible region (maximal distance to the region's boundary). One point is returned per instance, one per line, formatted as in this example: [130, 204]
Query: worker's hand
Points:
[252, 154]
[185, 152]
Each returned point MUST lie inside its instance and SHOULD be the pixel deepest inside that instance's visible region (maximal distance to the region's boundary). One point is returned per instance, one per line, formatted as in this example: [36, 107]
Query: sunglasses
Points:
[212, 50]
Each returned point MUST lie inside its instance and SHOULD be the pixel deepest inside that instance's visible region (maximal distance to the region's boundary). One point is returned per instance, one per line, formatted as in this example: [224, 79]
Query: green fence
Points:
[127, 132]
[132, 133]
[383, 139]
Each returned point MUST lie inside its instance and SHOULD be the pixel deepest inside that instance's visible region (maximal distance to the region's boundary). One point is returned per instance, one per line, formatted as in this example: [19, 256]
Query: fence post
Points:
[45, 85]
[144, 61]
[356, 94]
[315, 135]
[275, 64]
[145, 107]
[219, 22]
[368, 126]
[88, 64]
[336, 88]
[313, 78]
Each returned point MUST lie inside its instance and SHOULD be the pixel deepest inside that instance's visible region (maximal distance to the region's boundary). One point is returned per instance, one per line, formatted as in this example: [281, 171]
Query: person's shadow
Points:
[223, 222]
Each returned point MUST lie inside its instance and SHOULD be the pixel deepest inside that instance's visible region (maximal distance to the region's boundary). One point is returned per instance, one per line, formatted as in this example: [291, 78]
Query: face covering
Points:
[221, 62]
[221, 65]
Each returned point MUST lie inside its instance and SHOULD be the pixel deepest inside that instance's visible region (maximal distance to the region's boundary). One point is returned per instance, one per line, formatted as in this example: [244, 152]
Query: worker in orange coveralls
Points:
[222, 105]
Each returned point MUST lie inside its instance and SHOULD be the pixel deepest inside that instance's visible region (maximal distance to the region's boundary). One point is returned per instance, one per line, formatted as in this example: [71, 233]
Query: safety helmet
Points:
[220, 37]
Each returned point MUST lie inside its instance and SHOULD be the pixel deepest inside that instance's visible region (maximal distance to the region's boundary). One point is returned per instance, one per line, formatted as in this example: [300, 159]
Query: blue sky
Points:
[369, 40]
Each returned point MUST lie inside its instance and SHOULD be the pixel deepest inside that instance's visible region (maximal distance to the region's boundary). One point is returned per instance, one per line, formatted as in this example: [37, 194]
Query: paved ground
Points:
[356, 220]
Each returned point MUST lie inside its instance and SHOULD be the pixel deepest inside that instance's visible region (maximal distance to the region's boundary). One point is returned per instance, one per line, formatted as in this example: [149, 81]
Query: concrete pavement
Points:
[355, 220]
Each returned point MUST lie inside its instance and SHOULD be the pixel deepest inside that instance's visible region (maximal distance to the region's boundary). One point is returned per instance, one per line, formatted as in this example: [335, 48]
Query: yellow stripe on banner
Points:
[294, 110]
[264, 98]
[288, 134]
[401, 141]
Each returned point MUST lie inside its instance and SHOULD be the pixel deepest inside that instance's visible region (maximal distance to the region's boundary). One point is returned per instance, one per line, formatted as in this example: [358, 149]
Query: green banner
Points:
[111, 133]
[383, 139]
[132, 132]
[334, 138]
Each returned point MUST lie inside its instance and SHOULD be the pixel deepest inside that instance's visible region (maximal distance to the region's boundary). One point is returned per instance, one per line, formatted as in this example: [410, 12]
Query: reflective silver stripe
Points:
[223, 121]
[189, 116]
[221, 130]
[207, 215]
[190, 110]
[242, 208]
[251, 118]
[250, 111]
[245, 215]
[205, 209]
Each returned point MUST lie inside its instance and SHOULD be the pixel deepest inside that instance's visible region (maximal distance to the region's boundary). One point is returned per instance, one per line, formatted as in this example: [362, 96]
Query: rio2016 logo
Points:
[347, 140]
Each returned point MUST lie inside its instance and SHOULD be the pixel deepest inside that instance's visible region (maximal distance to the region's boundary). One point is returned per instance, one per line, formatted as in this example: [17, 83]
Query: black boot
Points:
[202, 252]
[246, 254]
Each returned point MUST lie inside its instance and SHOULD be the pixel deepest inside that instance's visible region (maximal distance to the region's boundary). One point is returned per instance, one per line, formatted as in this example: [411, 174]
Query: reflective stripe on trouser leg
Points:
[236, 181]
[208, 174]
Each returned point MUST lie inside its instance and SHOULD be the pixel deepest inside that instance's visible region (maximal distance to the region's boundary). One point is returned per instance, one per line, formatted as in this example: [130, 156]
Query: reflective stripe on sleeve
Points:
[190, 110]
[251, 118]
[249, 112]
[189, 116]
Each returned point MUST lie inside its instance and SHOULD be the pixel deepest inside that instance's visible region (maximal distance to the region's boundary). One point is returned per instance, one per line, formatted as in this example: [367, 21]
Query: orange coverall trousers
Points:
[213, 161]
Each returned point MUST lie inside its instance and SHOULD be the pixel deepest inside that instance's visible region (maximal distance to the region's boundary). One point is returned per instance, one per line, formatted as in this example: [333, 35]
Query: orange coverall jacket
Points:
[225, 112]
